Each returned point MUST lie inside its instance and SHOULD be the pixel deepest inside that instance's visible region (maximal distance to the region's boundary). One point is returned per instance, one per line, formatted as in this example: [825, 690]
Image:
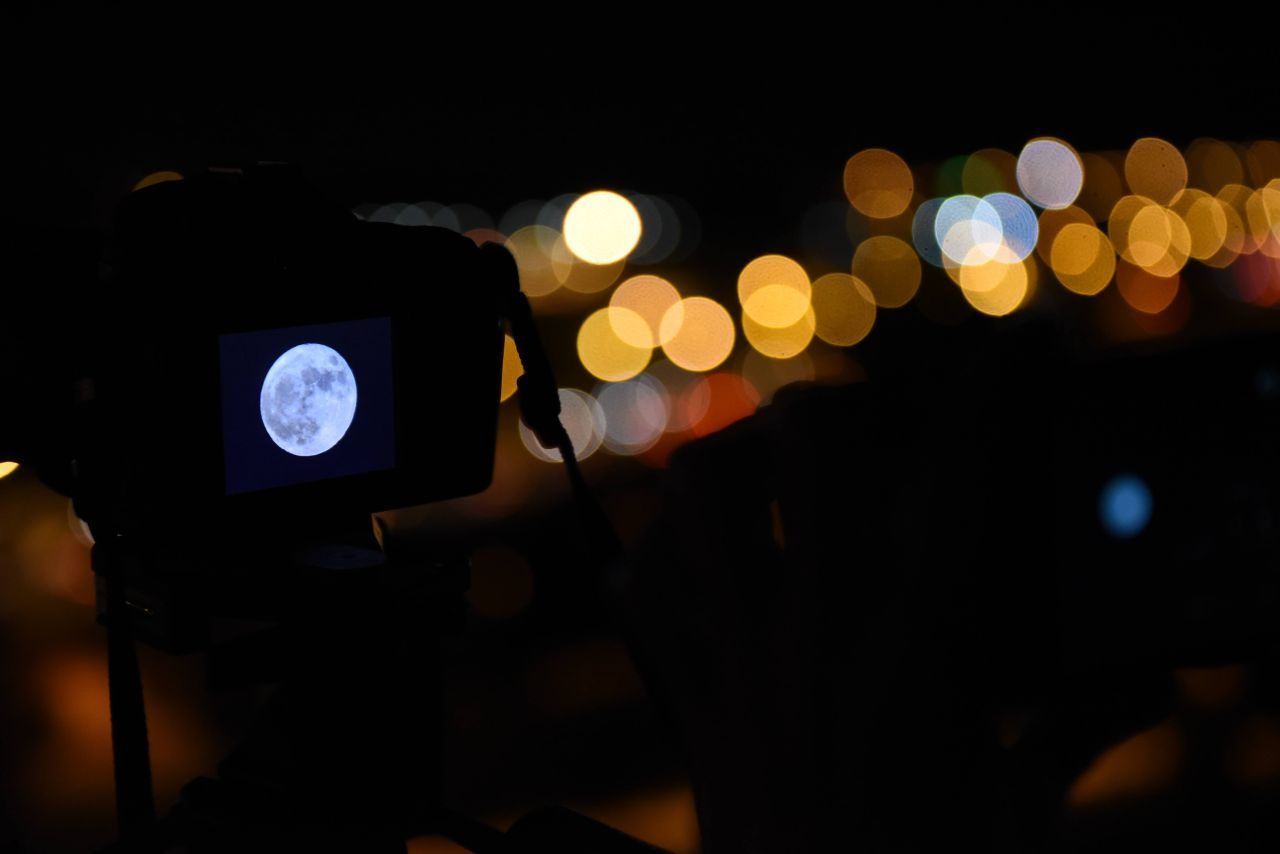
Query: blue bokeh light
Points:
[1018, 223]
[1125, 506]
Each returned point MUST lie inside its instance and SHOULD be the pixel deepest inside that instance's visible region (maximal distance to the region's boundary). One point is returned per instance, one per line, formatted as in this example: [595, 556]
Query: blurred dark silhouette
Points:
[888, 617]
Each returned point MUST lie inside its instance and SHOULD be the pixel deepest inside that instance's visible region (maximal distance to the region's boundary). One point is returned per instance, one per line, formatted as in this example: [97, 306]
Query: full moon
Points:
[308, 399]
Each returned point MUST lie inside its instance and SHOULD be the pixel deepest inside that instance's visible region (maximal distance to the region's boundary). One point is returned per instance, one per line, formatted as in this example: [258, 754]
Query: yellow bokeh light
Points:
[1053, 221]
[1262, 210]
[1157, 240]
[7, 468]
[878, 183]
[1212, 165]
[1155, 169]
[602, 227]
[1102, 188]
[604, 353]
[698, 334]
[512, 368]
[994, 287]
[1263, 160]
[774, 290]
[844, 309]
[1206, 221]
[649, 297]
[579, 276]
[157, 178]
[890, 268]
[532, 247]
[1082, 258]
[1145, 291]
[779, 343]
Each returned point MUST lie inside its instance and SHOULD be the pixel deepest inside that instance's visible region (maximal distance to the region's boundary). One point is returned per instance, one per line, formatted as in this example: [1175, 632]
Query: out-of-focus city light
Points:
[1018, 226]
[729, 398]
[579, 276]
[779, 343]
[889, 268]
[923, 234]
[1102, 187]
[686, 405]
[1053, 221]
[1263, 161]
[1082, 258]
[7, 468]
[157, 178]
[1212, 165]
[1125, 506]
[605, 353]
[1155, 169]
[512, 368]
[602, 227]
[1050, 173]
[995, 287]
[1144, 290]
[774, 291]
[635, 412]
[649, 298]
[532, 246]
[844, 309]
[968, 229]
[1206, 221]
[878, 183]
[704, 334]
[583, 420]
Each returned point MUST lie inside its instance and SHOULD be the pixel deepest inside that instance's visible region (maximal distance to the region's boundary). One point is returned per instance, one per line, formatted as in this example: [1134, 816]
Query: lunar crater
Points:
[308, 399]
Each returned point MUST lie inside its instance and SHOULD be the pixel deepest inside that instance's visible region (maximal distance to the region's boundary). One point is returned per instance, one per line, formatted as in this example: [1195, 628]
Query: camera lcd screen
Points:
[306, 403]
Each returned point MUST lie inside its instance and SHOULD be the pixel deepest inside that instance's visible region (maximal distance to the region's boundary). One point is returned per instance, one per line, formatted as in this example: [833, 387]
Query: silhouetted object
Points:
[890, 617]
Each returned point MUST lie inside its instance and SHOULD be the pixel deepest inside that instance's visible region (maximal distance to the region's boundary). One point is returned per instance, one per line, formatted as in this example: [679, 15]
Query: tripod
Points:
[343, 758]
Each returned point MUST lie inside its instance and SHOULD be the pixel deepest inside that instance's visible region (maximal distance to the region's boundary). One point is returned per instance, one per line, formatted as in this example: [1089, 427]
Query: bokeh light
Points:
[728, 398]
[1053, 221]
[844, 309]
[532, 246]
[7, 468]
[154, 178]
[650, 298]
[1102, 187]
[686, 403]
[995, 288]
[1154, 168]
[602, 227]
[1206, 221]
[512, 368]
[968, 229]
[605, 353]
[1018, 226]
[889, 268]
[583, 420]
[703, 334]
[774, 290]
[878, 183]
[1143, 290]
[1082, 258]
[1050, 173]
[780, 343]
[1125, 506]
[1212, 165]
[923, 234]
[635, 413]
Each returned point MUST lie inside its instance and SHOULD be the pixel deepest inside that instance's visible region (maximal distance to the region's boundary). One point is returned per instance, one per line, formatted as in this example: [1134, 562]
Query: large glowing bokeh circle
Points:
[308, 399]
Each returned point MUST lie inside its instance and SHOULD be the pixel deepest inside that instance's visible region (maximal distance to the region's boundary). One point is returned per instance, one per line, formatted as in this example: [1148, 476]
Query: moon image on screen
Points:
[308, 399]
